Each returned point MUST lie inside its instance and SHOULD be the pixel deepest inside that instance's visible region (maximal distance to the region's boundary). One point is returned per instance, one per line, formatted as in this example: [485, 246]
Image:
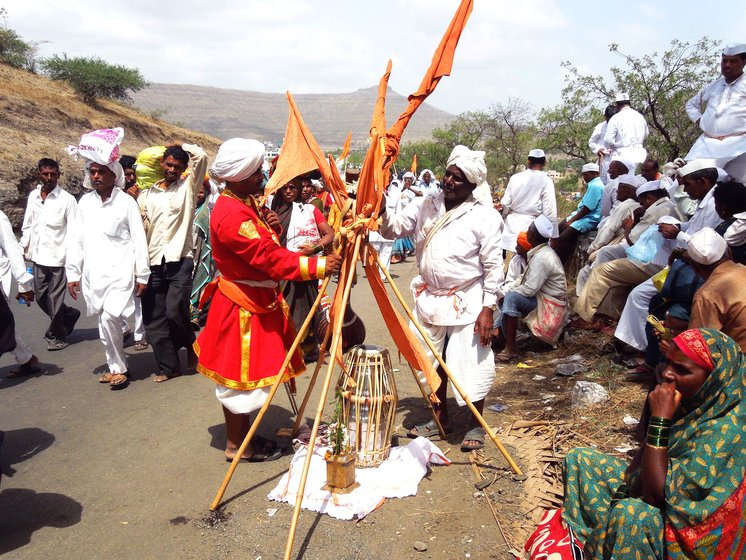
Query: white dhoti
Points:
[241, 402]
[110, 332]
[471, 364]
[383, 247]
[21, 353]
[631, 327]
[139, 332]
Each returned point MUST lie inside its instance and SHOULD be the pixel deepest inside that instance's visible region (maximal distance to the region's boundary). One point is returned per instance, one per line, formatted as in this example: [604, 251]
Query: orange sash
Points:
[237, 294]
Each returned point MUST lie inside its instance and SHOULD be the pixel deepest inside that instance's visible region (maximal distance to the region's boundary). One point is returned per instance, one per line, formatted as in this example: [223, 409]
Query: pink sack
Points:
[100, 146]
[549, 318]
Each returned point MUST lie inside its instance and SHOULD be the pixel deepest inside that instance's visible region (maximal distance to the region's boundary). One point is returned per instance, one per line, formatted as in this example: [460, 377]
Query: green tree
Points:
[659, 86]
[93, 78]
[14, 51]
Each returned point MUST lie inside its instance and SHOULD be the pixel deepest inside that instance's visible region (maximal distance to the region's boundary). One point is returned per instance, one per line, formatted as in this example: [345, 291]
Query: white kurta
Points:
[626, 134]
[704, 216]
[46, 225]
[723, 122]
[108, 252]
[612, 226]
[528, 194]
[596, 143]
[735, 235]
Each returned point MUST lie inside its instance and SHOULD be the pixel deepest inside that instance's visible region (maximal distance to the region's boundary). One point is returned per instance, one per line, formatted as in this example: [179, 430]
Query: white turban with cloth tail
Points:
[471, 162]
[706, 246]
[114, 166]
[237, 159]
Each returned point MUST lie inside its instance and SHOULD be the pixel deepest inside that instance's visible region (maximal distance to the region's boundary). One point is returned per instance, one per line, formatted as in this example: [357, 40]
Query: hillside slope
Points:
[226, 113]
[40, 118]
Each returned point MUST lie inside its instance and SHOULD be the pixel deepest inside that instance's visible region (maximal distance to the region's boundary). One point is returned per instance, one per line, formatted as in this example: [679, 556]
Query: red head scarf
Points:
[694, 347]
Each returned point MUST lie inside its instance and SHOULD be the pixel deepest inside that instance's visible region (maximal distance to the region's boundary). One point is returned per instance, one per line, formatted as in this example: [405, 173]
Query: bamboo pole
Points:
[336, 341]
[448, 373]
[255, 424]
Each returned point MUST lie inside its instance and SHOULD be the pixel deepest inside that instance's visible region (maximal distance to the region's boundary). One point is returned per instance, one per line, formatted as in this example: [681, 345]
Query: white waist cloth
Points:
[241, 402]
[439, 306]
[397, 477]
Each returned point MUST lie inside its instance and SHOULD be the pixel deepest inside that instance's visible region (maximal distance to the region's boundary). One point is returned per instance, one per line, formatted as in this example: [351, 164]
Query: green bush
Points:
[94, 78]
[16, 52]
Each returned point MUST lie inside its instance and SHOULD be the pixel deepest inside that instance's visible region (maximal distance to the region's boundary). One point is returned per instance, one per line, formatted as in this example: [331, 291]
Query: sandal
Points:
[162, 377]
[505, 358]
[428, 429]
[141, 345]
[29, 368]
[475, 434]
[105, 378]
[119, 380]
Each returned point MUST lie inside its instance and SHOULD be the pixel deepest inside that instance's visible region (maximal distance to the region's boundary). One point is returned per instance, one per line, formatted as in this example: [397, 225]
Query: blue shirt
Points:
[591, 200]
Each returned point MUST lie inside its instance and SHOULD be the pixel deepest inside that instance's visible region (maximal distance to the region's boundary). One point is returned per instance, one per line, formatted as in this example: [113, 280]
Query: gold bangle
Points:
[656, 446]
[320, 267]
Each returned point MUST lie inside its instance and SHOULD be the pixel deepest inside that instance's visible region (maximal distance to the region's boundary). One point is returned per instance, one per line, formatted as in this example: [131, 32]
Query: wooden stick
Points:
[429, 404]
[255, 424]
[336, 341]
[448, 373]
[320, 362]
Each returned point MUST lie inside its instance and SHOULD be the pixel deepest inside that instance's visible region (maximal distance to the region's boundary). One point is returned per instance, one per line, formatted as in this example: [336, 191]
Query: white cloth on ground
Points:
[631, 326]
[241, 402]
[110, 333]
[108, 253]
[45, 229]
[397, 477]
[471, 364]
[528, 194]
[626, 134]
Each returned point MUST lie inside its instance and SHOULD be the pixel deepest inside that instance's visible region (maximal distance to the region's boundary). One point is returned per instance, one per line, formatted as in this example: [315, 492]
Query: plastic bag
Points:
[647, 245]
[100, 146]
[148, 168]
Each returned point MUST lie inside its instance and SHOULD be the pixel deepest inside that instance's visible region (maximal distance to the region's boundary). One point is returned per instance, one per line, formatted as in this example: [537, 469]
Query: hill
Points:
[227, 113]
[40, 118]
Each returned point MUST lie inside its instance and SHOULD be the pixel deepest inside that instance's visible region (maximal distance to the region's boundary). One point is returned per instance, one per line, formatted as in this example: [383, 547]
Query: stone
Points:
[567, 370]
[420, 546]
[586, 393]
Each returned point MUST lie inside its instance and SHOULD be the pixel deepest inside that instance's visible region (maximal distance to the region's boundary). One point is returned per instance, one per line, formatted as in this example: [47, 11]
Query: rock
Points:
[575, 358]
[586, 393]
[566, 370]
[420, 546]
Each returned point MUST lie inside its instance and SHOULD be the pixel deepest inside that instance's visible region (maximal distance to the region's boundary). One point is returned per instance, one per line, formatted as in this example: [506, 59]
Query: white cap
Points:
[668, 220]
[408, 175]
[544, 226]
[706, 246]
[589, 167]
[621, 97]
[536, 153]
[629, 164]
[697, 165]
[650, 186]
[734, 48]
[631, 180]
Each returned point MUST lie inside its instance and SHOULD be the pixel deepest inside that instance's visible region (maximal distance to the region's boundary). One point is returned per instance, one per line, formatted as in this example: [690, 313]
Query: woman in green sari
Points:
[687, 498]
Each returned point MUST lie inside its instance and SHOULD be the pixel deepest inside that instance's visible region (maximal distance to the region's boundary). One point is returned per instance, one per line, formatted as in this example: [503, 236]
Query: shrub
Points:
[94, 78]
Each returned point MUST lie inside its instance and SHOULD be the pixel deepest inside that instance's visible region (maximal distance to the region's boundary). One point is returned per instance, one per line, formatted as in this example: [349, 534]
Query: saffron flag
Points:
[413, 169]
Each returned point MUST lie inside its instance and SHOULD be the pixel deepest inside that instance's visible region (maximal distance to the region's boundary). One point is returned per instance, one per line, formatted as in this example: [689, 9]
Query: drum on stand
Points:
[370, 400]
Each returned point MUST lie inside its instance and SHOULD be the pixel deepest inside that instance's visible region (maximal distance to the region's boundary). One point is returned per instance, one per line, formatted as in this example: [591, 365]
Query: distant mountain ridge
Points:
[227, 113]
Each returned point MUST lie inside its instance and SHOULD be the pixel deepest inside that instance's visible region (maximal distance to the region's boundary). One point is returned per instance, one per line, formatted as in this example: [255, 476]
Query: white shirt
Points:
[516, 267]
[677, 194]
[12, 264]
[45, 226]
[108, 252]
[544, 273]
[612, 226]
[169, 212]
[528, 194]
[626, 133]
[596, 141]
[724, 115]
[704, 216]
[462, 266]
[735, 235]
[608, 199]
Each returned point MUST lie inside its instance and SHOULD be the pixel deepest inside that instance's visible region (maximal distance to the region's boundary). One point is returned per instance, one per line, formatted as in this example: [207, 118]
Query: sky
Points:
[508, 49]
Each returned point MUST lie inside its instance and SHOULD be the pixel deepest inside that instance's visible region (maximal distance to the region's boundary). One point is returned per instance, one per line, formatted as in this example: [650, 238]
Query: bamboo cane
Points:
[336, 341]
[448, 373]
[255, 424]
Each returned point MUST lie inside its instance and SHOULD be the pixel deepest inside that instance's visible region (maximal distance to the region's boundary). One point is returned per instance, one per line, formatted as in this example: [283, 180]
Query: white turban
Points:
[633, 181]
[422, 174]
[114, 166]
[237, 159]
[408, 175]
[706, 246]
[544, 226]
[629, 164]
[471, 162]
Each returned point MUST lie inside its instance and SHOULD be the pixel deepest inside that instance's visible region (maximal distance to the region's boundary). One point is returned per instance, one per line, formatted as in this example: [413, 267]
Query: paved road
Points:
[95, 473]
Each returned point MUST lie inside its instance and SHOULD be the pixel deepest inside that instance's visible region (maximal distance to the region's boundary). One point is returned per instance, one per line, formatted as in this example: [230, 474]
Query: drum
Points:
[370, 400]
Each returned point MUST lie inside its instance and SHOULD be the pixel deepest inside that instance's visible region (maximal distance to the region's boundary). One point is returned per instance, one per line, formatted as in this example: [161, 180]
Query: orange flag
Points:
[300, 152]
[413, 169]
[346, 147]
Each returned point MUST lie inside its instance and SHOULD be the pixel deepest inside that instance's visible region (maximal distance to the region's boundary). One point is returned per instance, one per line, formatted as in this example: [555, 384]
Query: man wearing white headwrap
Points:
[529, 193]
[471, 162]
[168, 209]
[427, 184]
[249, 329]
[108, 261]
[722, 122]
[460, 268]
[44, 234]
[720, 303]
